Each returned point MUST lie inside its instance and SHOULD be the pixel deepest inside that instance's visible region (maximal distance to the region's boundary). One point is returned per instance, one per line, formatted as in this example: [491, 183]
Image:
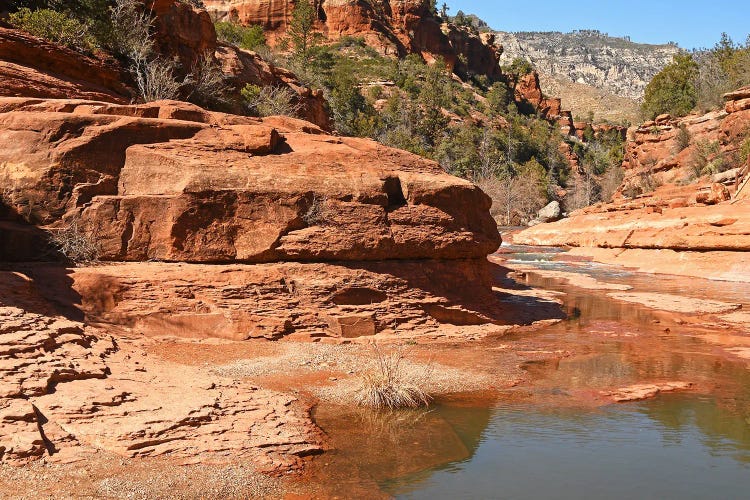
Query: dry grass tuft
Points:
[391, 385]
[75, 243]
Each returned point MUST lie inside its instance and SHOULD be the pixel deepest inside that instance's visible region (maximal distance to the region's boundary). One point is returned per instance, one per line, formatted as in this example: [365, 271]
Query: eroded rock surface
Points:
[695, 224]
[349, 239]
[171, 181]
[67, 389]
[396, 27]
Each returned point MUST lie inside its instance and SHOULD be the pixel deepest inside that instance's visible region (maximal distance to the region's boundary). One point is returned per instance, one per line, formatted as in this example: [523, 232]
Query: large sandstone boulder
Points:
[171, 181]
[549, 213]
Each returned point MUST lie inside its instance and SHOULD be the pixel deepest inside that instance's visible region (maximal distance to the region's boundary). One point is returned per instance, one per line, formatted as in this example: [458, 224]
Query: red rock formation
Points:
[700, 228]
[398, 27]
[528, 94]
[398, 248]
[247, 190]
[182, 32]
[242, 67]
[671, 150]
[31, 67]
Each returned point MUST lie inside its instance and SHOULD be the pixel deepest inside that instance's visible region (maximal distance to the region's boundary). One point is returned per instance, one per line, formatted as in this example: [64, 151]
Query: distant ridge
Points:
[613, 64]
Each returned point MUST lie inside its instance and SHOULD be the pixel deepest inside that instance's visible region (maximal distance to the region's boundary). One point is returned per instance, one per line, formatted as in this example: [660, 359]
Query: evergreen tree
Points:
[301, 28]
[673, 89]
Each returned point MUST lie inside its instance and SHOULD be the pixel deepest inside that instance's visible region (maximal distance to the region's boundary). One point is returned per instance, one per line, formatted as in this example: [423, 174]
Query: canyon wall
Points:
[616, 65]
[397, 28]
[684, 205]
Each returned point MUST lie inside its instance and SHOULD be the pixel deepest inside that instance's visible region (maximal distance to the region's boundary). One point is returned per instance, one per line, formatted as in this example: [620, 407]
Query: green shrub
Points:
[55, 27]
[245, 37]
[683, 138]
[351, 41]
[672, 90]
[707, 158]
[519, 66]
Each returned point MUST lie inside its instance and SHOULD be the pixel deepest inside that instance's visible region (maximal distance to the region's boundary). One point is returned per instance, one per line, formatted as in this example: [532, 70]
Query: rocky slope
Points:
[395, 27]
[664, 219]
[32, 67]
[616, 65]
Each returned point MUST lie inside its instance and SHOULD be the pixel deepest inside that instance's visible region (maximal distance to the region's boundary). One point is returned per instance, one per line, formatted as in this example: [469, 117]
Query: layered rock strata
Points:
[396, 27]
[170, 181]
[617, 65]
[68, 390]
[693, 226]
[348, 239]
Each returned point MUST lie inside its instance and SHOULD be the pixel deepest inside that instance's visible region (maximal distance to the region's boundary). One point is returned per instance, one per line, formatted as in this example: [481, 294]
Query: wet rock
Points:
[640, 392]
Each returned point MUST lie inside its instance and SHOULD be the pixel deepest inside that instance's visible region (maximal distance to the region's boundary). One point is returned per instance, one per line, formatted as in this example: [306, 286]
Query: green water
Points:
[544, 441]
[674, 446]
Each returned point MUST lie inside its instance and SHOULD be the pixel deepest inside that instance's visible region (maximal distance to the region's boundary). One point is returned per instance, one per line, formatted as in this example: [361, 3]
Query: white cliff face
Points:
[616, 65]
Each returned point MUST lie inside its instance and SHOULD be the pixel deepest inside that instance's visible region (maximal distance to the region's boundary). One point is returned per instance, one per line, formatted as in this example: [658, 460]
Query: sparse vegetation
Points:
[155, 79]
[206, 84]
[683, 138]
[76, 243]
[244, 37]
[391, 385]
[707, 158]
[270, 101]
[317, 213]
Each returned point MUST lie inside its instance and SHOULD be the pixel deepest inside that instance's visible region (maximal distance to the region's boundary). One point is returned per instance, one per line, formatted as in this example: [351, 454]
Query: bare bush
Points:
[131, 38]
[585, 190]
[270, 100]
[610, 182]
[515, 198]
[131, 30]
[317, 213]
[206, 83]
[76, 243]
[390, 385]
[156, 80]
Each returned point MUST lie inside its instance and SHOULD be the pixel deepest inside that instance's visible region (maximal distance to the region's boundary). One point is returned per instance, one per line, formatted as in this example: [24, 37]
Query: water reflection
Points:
[674, 446]
[691, 445]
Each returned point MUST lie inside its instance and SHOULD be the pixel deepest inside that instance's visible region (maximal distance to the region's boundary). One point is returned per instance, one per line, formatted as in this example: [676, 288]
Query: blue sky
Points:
[690, 23]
